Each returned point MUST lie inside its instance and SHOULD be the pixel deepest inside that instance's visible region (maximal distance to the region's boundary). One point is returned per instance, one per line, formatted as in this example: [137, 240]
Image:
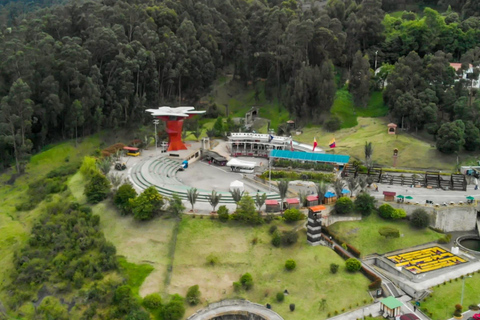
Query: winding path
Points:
[235, 307]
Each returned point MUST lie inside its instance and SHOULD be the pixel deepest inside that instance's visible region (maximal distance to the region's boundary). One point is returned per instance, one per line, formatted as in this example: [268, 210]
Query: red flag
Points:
[315, 144]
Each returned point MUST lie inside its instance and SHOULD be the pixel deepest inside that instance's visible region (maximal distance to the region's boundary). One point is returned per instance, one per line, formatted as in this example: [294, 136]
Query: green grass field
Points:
[365, 237]
[308, 284]
[413, 153]
[445, 297]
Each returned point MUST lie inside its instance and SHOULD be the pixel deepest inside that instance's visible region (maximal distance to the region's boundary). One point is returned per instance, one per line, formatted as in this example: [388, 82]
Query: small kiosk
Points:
[293, 203]
[312, 200]
[392, 128]
[330, 198]
[272, 206]
[390, 307]
[389, 196]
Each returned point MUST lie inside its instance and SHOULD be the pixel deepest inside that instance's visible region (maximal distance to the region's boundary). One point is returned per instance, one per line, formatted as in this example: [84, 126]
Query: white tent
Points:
[240, 163]
[237, 185]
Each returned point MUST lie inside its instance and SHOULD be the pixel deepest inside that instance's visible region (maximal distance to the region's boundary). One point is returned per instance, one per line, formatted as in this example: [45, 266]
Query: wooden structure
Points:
[389, 196]
[314, 224]
[293, 203]
[392, 128]
[312, 200]
[272, 206]
[330, 198]
[390, 307]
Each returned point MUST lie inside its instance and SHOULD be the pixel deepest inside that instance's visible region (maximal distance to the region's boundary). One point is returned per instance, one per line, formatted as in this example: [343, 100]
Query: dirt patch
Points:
[353, 231]
[154, 282]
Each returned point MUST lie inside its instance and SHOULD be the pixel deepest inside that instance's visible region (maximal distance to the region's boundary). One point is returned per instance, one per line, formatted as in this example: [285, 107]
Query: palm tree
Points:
[236, 195]
[282, 190]
[322, 188]
[362, 183]
[260, 200]
[192, 195]
[198, 132]
[352, 185]
[368, 154]
[104, 165]
[303, 198]
[338, 186]
[214, 199]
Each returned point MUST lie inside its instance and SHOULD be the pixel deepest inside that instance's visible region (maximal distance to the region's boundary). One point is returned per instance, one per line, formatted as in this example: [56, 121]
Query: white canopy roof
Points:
[234, 162]
[237, 185]
[174, 112]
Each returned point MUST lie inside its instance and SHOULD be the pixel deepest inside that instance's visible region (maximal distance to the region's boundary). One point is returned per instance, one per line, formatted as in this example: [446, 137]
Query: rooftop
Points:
[310, 156]
[391, 302]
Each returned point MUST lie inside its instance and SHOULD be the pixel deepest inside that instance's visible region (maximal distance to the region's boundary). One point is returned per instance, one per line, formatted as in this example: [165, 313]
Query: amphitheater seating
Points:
[425, 260]
[162, 173]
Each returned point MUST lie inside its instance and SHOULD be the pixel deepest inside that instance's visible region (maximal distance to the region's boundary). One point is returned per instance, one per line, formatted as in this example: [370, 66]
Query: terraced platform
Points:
[162, 173]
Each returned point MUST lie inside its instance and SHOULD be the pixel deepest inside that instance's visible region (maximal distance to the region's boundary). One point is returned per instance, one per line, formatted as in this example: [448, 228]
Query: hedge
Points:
[307, 165]
[334, 236]
[353, 250]
[108, 151]
[317, 176]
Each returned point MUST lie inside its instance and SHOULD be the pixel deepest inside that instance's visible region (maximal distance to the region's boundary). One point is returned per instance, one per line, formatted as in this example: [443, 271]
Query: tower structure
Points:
[174, 119]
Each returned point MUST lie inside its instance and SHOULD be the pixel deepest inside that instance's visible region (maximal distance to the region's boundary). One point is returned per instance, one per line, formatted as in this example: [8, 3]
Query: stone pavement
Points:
[232, 307]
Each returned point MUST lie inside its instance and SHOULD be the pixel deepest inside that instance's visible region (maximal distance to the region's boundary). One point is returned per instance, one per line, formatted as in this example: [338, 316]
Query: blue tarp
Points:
[345, 191]
[329, 195]
[310, 156]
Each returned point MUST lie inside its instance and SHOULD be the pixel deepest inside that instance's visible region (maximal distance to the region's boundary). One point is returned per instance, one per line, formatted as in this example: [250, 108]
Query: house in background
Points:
[468, 75]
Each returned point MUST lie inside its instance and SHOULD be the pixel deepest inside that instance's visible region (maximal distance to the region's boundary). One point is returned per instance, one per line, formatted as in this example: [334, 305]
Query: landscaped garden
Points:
[365, 236]
[214, 255]
[441, 304]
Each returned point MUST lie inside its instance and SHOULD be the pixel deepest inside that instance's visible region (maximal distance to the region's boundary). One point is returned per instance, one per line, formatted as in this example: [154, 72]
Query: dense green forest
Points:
[72, 69]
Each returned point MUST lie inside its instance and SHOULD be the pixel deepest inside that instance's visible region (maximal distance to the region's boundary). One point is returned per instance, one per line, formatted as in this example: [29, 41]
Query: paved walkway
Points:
[232, 307]
[468, 314]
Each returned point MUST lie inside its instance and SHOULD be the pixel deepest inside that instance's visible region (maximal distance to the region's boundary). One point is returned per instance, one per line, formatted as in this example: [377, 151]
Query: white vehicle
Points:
[241, 166]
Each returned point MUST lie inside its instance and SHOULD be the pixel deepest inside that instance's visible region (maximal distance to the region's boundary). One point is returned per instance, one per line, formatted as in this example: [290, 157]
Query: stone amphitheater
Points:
[161, 172]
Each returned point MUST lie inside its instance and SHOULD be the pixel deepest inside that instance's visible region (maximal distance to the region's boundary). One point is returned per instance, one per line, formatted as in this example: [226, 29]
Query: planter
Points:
[461, 317]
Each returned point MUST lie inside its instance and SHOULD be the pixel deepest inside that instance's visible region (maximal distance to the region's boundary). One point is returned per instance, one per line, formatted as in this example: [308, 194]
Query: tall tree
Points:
[359, 84]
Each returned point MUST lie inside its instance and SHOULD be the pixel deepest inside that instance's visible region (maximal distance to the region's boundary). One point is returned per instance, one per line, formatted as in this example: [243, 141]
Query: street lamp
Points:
[155, 122]
[463, 289]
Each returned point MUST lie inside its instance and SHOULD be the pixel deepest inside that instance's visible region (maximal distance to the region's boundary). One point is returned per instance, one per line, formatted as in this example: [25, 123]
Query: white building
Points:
[466, 75]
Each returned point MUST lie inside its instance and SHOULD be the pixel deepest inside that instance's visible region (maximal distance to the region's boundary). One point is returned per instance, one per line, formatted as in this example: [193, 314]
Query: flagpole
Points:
[270, 174]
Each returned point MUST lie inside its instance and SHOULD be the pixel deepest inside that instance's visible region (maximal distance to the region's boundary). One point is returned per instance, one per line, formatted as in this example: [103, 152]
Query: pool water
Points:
[472, 244]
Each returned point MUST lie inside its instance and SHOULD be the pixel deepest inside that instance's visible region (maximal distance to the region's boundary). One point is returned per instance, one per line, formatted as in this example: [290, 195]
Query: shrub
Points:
[386, 211]
[174, 309]
[419, 219]
[344, 205]
[237, 286]
[122, 197]
[193, 295]
[147, 204]
[389, 232]
[399, 214]
[364, 204]
[97, 188]
[334, 268]
[353, 265]
[280, 296]
[222, 213]
[272, 229]
[290, 264]
[212, 259]
[445, 239]
[353, 250]
[152, 301]
[292, 214]
[89, 167]
[292, 307]
[247, 281]
[289, 238]
[458, 306]
[332, 124]
[276, 239]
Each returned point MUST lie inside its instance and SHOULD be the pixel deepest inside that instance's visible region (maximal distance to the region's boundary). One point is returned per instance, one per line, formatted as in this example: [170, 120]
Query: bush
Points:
[289, 238]
[97, 188]
[89, 167]
[152, 301]
[353, 250]
[419, 219]
[280, 296]
[332, 124]
[364, 204]
[399, 214]
[174, 310]
[237, 286]
[276, 239]
[445, 239]
[344, 205]
[334, 268]
[272, 229]
[386, 211]
[247, 281]
[290, 264]
[147, 204]
[353, 265]
[212, 259]
[388, 232]
[292, 215]
[193, 295]
[122, 197]
[222, 213]
[292, 307]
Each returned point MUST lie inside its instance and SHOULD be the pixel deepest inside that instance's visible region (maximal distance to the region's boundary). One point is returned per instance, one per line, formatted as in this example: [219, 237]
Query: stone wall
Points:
[329, 220]
[447, 219]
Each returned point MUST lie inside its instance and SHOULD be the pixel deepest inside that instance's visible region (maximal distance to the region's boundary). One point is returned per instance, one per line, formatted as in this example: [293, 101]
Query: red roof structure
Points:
[271, 202]
[130, 148]
[312, 198]
[317, 208]
[389, 193]
[292, 201]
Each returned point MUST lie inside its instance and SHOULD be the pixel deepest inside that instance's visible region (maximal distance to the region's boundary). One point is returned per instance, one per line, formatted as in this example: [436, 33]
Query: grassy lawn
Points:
[365, 237]
[445, 297]
[308, 284]
[15, 226]
[413, 153]
[344, 109]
